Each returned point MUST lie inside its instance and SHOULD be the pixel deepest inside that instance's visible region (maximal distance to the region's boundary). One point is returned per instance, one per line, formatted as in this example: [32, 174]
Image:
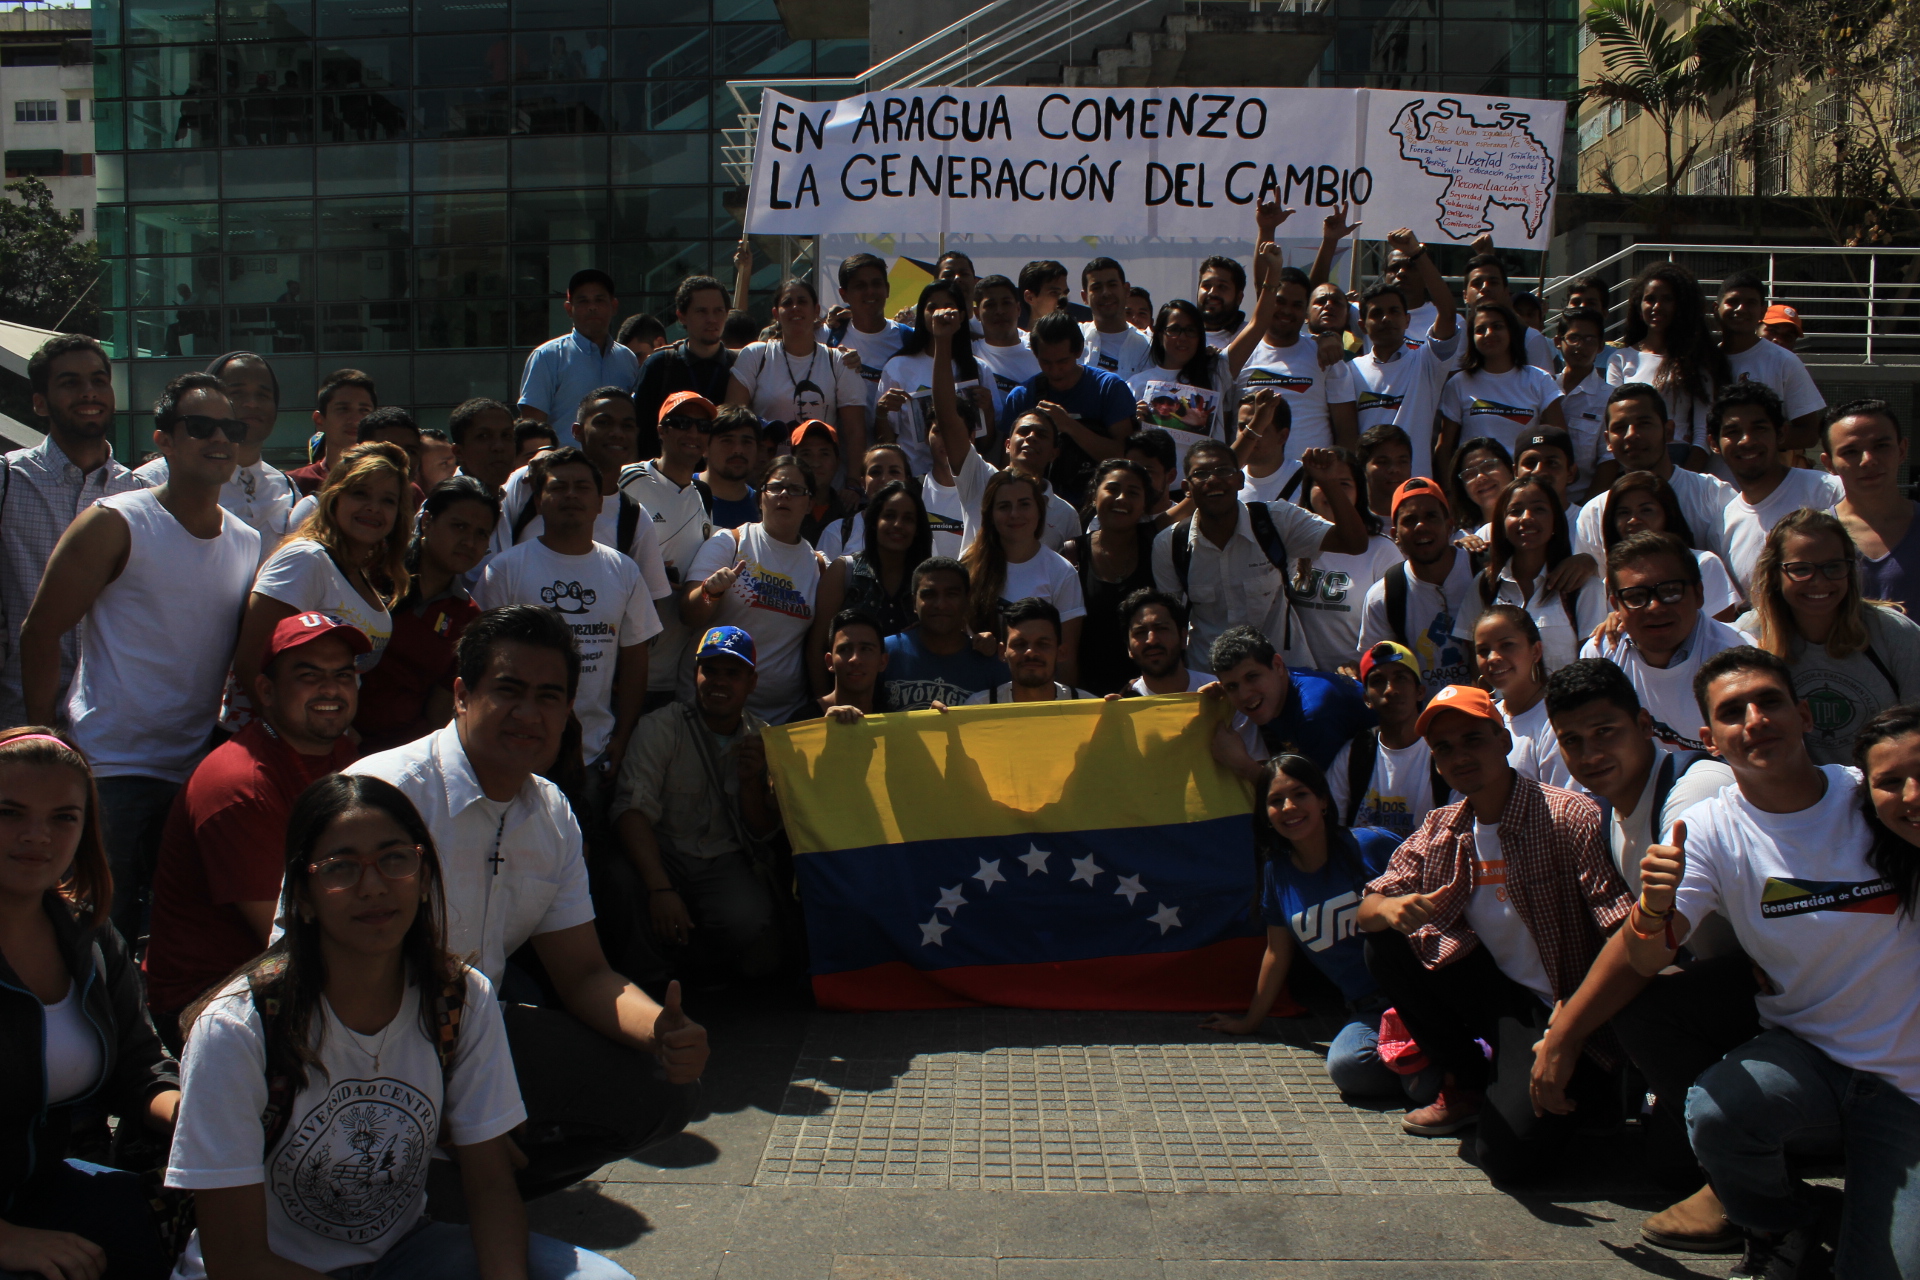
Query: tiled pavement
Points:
[995, 1143]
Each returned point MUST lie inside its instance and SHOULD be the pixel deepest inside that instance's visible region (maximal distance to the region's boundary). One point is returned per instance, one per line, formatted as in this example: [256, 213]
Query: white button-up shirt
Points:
[1237, 584]
[513, 871]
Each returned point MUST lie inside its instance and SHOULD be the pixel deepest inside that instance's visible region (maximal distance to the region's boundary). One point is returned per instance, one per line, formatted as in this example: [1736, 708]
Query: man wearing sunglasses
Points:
[160, 577]
[679, 506]
[1653, 583]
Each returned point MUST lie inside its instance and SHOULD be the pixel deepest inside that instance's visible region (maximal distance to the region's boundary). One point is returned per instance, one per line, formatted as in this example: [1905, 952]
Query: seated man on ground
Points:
[1278, 708]
[695, 814]
[1031, 652]
[217, 882]
[1489, 913]
[1316, 870]
[610, 1071]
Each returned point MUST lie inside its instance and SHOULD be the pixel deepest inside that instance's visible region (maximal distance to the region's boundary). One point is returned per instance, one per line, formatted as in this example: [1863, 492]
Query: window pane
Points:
[653, 13]
[465, 324]
[110, 228]
[544, 271]
[173, 282]
[745, 11]
[273, 227]
[460, 15]
[759, 50]
[280, 329]
[106, 22]
[657, 267]
[558, 13]
[579, 108]
[186, 331]
[265, 19]
[269, 277]
[661, 105]
[458, 166]
[659, 55]
[367, 326]
[377, 223]
[461, 273]
[666, 215]
[269, 68]
[352, 170]
[449, 60]
[170, 73]
[107, 73]
[455, 220]
[559, 162]
[366, 64]
[281, 171]
[172, 176]
[362, 274]
[362, 17]
[174, 228]
[269, 119]
[660, 159]
[167, 22]
[453, 378]
[365, 117]
[560, 215]
[155, 124]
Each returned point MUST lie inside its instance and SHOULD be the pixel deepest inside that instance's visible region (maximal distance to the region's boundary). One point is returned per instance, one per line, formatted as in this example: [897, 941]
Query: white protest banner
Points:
[1155, 162]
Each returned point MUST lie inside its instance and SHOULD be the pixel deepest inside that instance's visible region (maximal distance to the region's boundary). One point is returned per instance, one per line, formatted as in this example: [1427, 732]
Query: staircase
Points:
[1269, 47]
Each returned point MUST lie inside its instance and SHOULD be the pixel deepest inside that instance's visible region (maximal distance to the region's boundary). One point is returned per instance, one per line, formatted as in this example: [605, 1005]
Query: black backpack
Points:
[626, 526]
[1362, 753]
[1264, 533]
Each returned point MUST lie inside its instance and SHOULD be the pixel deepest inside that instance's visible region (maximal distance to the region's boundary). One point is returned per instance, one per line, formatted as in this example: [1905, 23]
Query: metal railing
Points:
[1859, 308]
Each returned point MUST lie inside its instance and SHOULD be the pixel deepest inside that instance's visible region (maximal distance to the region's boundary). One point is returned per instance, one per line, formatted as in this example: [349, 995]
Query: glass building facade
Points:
[1527, 48]
[406, 187]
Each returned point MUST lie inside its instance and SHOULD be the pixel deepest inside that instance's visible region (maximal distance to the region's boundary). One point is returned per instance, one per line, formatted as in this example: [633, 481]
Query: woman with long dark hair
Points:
[360, 1045]
[1496, 393]
[1009, 562]
[1114, 561]
[74, 1032]
[410, 693]
[1668, 345]
[904, 411]
[1477, 475]
[1531, 537]
[1641, 502]
[1329, 588]
[1315, 869]
[1187, 387]
[877, 580]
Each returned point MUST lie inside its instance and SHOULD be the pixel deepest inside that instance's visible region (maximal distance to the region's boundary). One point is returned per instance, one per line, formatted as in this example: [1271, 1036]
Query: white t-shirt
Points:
[1405, 391]
[1560, 638]
[1009, 366]
[776, 383]
[1121, 354]
[1702, 499]
[678, 520]
[1501, 405]
[914, 375]
[1003, 694]
[1629, 835]
[1540, 352]
[71, 1051]
[1667, 692]
[1491, 916]
[1432, 614]
[1048, 576]
[1059, 525]
[1399, 795]
[1822, 924]
[1308, 389]
[602, 597]
[1203, 410]
[1536, 748]
[1330, 593]
[1717, 591]
[1744, 526]
[1270, 487]
[772, 601]
[348, 1179]
[943, 510]
[1196, 681]
[1585, 411]
[304, 577]
[874, 349]
[1773, 366]
[1688, 412]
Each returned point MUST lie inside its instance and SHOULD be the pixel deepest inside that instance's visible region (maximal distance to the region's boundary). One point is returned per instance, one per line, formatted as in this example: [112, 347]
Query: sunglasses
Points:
[343, 875]
[1804, 570]
[200, 427]
[680, 422]
[1669, 592]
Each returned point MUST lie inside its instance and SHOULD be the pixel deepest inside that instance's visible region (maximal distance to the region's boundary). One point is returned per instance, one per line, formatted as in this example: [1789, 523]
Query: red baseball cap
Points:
[687, 402]
[1469, 699]
[305, 628]
[1418, 487]
[811, 425]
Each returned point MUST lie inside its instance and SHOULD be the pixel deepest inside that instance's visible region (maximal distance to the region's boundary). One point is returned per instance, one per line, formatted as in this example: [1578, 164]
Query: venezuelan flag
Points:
[1064, 855]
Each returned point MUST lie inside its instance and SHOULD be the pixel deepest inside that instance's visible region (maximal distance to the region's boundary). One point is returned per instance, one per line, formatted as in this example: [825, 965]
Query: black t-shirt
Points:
[673, 368]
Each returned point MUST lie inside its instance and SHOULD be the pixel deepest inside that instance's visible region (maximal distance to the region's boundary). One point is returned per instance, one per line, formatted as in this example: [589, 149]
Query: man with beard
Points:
[1415, 605]
[1157, 643]
[699, 362]
[1223, 284]
[48, 485]
[1748, 431]
[1031, 652]
[731, 451]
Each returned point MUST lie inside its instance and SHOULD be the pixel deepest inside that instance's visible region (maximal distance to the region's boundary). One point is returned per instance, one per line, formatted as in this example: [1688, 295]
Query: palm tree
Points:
[1667, 73]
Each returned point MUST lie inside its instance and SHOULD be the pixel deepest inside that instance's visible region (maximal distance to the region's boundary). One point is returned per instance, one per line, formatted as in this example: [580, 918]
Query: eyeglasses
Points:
[680, 422]
[1803, 570]
[1669, 592]
[1478, 469]
[200, 427]
[1213, 473]
[1181, 331]
[780, 489]
[343, 875]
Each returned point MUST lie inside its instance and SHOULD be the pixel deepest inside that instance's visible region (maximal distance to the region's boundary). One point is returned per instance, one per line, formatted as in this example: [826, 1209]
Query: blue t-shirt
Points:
[1322, 908]
[1324, 711]
[1098, 399]
[731, 513]
[916, 679]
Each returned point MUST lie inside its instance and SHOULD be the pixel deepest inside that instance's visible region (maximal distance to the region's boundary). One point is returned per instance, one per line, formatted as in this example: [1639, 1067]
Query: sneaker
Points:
[1791, 1256]
[1451, 1112]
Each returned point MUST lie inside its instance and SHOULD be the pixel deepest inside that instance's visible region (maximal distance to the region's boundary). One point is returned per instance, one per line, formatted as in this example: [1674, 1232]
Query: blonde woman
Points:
[348, 559]
[1849, 656]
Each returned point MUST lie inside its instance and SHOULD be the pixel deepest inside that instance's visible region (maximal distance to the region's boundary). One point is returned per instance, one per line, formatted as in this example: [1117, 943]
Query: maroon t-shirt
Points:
[417, 660]
[309, 478]
[225, 842]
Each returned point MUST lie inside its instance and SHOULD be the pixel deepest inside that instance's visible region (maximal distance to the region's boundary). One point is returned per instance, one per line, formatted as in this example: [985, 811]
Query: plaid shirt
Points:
[1561, 881]
[44, 494]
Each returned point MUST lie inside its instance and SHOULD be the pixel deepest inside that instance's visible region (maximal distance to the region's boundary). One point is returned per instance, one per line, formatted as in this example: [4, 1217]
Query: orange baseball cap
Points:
[687, 402]
[811, 425]
[1418, 487]
[1781, 313]
[1467, 698]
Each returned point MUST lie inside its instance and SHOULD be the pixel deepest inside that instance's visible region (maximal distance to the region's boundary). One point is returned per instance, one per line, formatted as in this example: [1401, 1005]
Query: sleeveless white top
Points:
[158, 641]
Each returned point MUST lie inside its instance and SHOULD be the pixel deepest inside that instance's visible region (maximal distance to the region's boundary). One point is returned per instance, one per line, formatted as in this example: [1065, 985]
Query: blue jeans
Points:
[103, 1205]
[1777, 1096]
[1353, 1061]
[442, 1251]
[133, 811]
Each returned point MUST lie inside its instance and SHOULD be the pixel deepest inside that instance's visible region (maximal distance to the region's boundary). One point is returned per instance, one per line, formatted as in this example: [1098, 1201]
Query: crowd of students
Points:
[381, 793]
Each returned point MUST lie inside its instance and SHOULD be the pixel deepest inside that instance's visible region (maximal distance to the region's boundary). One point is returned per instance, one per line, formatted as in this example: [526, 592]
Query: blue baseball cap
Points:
[729, 642]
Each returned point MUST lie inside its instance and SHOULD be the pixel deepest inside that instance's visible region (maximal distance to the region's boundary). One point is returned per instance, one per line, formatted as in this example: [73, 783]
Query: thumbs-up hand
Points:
[1661, 871]
[679, 1042]
[1410, 912]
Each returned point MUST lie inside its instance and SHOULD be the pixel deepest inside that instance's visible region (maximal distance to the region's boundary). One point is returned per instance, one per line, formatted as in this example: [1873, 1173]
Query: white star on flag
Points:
[1166, 917]
[1130, 888]
[989, 873]
[1036, 859]
[951, 900]
[1086, 869]
[930, 932]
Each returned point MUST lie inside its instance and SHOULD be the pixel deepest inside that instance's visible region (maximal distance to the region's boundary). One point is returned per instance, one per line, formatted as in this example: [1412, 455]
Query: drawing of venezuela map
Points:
[1485, 162]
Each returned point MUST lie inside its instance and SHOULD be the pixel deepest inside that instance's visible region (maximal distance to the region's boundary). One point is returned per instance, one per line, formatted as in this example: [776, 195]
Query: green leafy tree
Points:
[1670, 74]
[48, 278]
